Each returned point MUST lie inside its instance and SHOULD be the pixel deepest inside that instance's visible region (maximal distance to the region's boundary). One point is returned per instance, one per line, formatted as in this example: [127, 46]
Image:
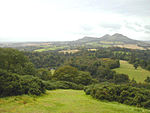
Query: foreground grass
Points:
[63, 101]
[138, 74]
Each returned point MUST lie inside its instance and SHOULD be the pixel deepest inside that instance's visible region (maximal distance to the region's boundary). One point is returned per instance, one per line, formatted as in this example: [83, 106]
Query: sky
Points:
[66, 20]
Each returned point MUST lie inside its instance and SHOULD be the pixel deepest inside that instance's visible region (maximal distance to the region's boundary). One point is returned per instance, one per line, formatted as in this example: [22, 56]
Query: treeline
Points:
[46, 59]
[83, 57]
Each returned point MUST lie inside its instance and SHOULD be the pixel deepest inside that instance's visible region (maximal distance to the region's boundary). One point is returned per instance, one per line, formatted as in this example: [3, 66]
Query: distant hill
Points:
[87, 39]
[118, 38]
[115, 39]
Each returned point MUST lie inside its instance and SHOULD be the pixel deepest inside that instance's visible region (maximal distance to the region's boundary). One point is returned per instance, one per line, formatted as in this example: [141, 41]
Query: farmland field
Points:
[69, 51]
[50, 48]
[130, 46]
[138, 74]
[63, 101]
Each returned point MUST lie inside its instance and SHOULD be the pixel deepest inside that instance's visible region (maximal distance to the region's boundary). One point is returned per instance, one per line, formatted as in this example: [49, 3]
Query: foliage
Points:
[121, 93]
[71, 74]
[44, 74]
[147, 80]
[135, 65]
[15, 61]
[10, 84]
[32, 85]
[50, 85]
[46, 59]
[120, 78]
[14, 84]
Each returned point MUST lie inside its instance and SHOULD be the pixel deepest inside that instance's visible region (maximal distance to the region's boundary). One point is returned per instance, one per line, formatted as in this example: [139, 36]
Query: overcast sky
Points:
[53, 20]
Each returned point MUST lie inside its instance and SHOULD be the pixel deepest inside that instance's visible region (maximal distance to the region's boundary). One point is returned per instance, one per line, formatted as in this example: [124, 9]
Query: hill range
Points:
[115, 40]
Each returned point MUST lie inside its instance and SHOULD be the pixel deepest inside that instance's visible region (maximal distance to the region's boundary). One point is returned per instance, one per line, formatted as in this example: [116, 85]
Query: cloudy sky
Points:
[53, 20]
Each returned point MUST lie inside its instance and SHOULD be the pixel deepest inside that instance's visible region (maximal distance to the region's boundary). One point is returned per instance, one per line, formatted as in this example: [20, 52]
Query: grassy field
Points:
[69, 51]
[50, 48]
[130, 46]
[63, 101]
[138, 74]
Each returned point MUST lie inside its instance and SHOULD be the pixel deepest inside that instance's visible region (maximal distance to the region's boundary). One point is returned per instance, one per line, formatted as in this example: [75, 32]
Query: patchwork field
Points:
[138, 74]
[63, 101]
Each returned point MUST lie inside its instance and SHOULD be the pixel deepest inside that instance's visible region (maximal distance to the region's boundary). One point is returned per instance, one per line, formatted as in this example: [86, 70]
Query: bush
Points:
[50, 85]
[10, 84]
[32, 85]
[120, 78]
[71, 74]
[13, 84]
[121, 93]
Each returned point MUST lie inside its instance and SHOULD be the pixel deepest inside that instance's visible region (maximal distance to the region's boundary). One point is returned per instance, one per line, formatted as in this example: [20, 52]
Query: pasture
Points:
[63, 101]
[69, 51]
[138, 74]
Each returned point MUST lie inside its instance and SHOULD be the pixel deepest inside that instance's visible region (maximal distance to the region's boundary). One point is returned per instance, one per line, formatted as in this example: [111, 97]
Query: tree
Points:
[121, 78]
[15, 61]
[71, 74]
[104, 74]
[147, 80]
[65, 73]
[44, 74]
[135, 65]
[84, 78]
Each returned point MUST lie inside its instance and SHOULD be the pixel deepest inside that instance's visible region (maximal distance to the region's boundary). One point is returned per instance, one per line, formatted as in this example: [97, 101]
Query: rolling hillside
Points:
[63, 101]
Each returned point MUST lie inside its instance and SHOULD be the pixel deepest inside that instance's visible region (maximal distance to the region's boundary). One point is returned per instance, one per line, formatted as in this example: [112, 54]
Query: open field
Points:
[138, 74]
[130, 46]
[92, 49]
[69, 51]
[63, 101]
[50, 48]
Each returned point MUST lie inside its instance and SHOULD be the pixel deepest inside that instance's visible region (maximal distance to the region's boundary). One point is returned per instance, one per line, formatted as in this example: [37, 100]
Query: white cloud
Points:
[51, 20]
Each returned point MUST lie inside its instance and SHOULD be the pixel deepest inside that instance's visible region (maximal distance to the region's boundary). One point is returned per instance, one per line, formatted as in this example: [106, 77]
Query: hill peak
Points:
[117, 34]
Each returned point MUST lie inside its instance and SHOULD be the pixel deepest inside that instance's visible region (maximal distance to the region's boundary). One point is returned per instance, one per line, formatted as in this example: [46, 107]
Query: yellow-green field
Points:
[63, 101]
[69, 51]
[50, 48]
[138, 74]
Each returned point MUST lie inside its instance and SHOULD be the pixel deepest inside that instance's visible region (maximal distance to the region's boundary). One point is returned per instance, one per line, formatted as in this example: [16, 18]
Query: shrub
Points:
[10, 84]
[13, 84]
[50, 85]
[121, 93]
[71, 74]
[32, 85]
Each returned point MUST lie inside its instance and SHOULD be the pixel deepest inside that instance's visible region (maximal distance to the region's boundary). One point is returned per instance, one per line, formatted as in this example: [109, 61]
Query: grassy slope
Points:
[138, 74]
[63, 101]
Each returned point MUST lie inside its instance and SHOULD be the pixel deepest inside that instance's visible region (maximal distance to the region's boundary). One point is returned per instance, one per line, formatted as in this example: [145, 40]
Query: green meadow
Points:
[138, 74]
[63, 101]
